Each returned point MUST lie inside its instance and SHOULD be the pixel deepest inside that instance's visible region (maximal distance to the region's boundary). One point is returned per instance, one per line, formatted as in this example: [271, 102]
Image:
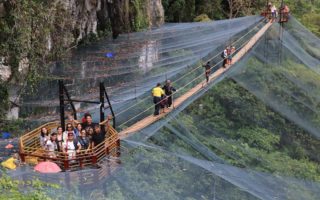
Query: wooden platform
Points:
[151, 119]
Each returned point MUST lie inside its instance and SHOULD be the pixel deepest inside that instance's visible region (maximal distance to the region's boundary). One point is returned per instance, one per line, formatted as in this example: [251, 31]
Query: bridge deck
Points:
[151, 119]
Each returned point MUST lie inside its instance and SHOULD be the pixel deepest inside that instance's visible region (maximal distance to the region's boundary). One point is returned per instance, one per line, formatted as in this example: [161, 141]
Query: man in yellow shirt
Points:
[157, 93]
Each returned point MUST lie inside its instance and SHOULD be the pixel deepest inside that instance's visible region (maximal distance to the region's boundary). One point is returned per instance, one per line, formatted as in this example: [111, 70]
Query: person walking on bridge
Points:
[168, 90]
[157, 93]
[224, 55]
[207, 68]
[273, 13]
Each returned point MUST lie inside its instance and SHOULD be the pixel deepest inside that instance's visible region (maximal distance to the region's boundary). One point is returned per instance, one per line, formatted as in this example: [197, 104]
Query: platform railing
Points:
[30, 148]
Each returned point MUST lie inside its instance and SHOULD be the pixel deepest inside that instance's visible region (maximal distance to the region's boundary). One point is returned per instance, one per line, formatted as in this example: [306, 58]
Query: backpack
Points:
[222, 55]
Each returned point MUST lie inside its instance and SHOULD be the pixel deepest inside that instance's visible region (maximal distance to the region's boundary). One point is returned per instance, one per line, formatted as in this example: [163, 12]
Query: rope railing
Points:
[184, 86]
[188, 73]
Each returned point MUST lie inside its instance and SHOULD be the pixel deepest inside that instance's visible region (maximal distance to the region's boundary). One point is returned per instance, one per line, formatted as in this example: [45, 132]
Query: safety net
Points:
[133, 64]
[252, 133]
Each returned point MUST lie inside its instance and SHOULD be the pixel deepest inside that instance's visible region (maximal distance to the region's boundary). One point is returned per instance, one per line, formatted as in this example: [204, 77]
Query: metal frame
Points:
[65, 101]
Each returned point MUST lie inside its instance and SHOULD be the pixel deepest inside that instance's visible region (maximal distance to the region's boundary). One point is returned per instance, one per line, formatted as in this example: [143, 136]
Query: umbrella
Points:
[9, 146]
[47, 167]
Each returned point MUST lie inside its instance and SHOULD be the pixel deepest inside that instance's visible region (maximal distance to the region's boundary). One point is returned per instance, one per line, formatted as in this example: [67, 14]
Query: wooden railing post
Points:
[66, 163]
[21, 151]
[118, 148]
[94, 159]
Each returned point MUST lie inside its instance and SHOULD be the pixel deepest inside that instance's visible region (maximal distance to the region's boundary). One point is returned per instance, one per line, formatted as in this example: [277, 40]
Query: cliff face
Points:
[62, 23]
[90, 16]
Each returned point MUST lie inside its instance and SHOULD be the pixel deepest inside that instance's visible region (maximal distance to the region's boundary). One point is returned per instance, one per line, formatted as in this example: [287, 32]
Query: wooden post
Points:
[66, 163]
[118, 148]
[21, 154]
[94, 159]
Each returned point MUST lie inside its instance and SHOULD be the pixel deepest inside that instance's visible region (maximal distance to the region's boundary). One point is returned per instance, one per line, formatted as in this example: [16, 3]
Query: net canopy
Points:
[250, 134]
[133, 63]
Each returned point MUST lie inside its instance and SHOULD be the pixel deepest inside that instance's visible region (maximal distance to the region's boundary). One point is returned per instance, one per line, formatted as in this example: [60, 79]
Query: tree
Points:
[237, 7]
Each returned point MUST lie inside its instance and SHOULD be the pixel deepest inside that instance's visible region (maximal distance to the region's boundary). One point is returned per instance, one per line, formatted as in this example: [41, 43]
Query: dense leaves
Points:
[186, 10]
[15, 189]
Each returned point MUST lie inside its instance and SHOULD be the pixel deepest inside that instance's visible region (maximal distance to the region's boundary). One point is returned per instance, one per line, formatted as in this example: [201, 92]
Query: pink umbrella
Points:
[9, 146]
[47, 167]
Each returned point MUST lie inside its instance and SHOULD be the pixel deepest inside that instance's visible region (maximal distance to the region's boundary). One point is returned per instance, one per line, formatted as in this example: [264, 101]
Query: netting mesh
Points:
[137, 62]
[216, 145]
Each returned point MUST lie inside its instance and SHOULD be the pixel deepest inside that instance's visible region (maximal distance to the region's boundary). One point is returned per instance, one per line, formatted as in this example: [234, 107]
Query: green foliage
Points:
[89, 39]
[245, 132]
[16, 189]
[4, 104]
[15, 127]
[26, 29]
[139, 12]
[259, 138]
[312, 22]
[186, 10]
[202, 18]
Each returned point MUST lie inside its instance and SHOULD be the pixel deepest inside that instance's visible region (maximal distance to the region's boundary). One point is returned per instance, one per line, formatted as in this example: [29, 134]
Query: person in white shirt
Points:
[52, 145]
[274, 12]
[71, 146]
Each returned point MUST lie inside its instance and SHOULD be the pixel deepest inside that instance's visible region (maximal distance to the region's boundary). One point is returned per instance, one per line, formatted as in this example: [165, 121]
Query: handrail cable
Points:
[179, 89]
[142, 100]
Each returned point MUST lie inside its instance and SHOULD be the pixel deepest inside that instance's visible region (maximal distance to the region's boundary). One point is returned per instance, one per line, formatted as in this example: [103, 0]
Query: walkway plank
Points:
[151, 119]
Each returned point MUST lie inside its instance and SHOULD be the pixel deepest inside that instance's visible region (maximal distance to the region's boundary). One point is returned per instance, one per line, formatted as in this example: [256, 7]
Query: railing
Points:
[30, 148]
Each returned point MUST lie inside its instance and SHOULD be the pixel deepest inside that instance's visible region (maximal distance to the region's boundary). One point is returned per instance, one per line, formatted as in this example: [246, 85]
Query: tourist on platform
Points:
[84, 140]
[77, 130]
[88, 122]
[98, 136]
[52, 146]
[157, 94]
[71, 146]
[207, 68]
[84, 120]
[44, 137]
[70, 129]
[89, 132]
[168, 90]
[60, 136]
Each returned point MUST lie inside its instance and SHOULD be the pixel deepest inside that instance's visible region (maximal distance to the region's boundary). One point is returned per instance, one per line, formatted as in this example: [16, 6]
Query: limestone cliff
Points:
[90, 16]
[62, 23]
[34, 33]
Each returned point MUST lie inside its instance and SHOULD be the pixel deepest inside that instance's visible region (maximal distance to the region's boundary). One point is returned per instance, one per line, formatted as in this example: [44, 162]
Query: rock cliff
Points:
[70, 21]
[91, 16]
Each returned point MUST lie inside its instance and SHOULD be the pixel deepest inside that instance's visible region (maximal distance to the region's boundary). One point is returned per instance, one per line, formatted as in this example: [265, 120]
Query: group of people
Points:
[272, 12]
[162, 96]
[227, 55]
[82, 136]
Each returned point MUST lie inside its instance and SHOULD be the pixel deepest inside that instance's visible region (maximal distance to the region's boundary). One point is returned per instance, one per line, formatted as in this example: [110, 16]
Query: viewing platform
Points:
[31, 152]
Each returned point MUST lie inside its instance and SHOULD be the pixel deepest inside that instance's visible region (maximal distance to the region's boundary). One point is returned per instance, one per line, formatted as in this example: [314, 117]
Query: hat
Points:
[70, 133]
